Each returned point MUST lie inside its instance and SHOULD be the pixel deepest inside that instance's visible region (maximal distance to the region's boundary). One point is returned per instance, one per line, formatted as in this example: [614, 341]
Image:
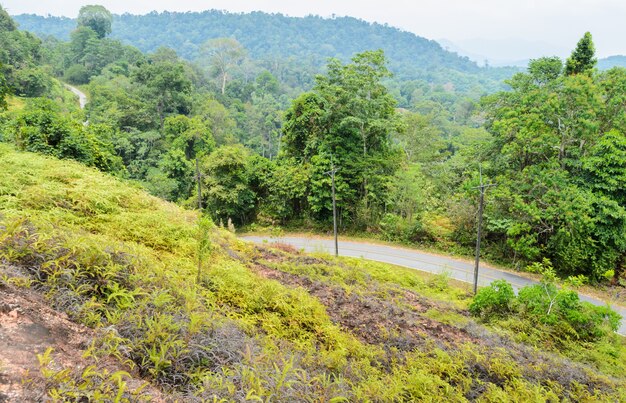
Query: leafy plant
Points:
[495, 300]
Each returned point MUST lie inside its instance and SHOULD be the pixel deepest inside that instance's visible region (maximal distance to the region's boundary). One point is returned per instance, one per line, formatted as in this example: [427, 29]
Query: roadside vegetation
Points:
[259, 322]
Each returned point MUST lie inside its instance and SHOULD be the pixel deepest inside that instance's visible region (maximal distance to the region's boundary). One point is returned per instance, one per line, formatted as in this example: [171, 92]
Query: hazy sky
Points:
[554, 24]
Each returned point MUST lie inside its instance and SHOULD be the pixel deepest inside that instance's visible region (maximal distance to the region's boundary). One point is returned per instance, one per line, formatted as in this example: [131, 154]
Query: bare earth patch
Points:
[372, 320]
[28, 326]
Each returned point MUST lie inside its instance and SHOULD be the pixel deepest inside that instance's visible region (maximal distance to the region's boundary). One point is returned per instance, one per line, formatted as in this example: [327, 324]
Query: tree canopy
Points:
[97, 18]
[582, 58]
[347, 120]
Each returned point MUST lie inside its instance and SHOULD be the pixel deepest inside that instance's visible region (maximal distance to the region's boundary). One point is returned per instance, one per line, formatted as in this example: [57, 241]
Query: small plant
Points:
[205, 225]
[560, 310]
[441, 281]
[576, 281]
[87, 384]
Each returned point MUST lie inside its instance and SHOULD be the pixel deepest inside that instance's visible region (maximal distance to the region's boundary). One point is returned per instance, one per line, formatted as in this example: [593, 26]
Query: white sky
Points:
[512, 23]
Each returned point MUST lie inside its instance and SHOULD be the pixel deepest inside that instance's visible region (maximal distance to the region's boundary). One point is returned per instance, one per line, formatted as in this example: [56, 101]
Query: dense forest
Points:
[223, 139]
[293, 49]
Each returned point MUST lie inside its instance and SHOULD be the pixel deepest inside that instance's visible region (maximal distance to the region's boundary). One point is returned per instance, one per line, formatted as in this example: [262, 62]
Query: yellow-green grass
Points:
[128, 264]
[15, 103]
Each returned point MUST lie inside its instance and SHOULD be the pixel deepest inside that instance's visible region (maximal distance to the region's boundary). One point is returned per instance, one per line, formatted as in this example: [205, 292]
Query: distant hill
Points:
[612, 61]
[310, 40]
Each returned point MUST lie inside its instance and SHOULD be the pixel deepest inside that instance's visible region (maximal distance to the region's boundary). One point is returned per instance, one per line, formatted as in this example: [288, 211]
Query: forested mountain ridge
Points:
[262, 34]
[272, 37]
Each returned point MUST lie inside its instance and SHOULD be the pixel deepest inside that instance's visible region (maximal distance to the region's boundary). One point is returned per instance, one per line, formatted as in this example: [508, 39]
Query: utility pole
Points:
[332, 172]
[201, 234]
[482, 187]
[198, 178]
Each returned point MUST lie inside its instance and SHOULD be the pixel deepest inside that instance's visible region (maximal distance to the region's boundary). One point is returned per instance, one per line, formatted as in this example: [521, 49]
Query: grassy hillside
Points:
[254, 323]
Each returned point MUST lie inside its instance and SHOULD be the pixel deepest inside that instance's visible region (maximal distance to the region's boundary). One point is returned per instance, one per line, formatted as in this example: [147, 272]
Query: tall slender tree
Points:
[583, 57]
[222, 55]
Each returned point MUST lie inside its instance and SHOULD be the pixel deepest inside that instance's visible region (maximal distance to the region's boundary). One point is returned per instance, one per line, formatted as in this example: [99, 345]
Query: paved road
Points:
[414, 259]
[82, 97]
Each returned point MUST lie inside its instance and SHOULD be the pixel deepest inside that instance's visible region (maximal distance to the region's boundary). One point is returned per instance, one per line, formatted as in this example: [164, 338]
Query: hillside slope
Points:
[249, 322]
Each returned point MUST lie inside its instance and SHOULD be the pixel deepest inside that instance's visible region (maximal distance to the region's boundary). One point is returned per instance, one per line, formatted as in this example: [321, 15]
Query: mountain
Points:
[308, 40]
[612, 61]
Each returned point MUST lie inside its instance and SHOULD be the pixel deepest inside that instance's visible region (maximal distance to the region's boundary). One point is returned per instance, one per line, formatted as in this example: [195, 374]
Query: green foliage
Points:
[582, 59]
[226, 180]
[350, 116]
[77, 74]
[41, 127]
[265, 35]
[4, 91]
[221, 55]
[559, 310]
[32, 82]
[494, 300]
[168, 86]
[117, 259]
[545, 70]
[97, 18]
[554, 135]
[281, 188]
[88, 383]
[205, 225]
[6, 22]
[20, 61]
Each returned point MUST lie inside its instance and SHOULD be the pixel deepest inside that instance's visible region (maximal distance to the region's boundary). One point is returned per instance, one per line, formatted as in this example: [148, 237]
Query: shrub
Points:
[560, 310]
[495, 300]
[77, 74]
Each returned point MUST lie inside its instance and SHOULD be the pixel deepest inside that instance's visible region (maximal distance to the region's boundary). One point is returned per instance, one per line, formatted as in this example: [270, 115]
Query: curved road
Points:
[414, 259]
[82, 97]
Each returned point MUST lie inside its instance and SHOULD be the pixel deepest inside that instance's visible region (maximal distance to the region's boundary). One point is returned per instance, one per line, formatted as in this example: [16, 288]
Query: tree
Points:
[582, 59]
[6, 22]
[349, 116]
[557, 155]
[226, 176]
[191, 135]
[219, 120]
[42, 127]
[5, 90]
[166, 82]
[545, 69]
[263, 125]
[222, 55]
[97, 18]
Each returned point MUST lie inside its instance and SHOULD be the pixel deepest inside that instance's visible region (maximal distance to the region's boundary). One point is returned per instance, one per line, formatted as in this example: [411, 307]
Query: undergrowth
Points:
[240, 325]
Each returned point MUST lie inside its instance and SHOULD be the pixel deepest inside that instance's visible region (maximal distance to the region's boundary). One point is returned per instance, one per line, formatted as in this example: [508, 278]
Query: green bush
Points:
[495, 300]
[560, 310]
[396, 228]
[77, 74]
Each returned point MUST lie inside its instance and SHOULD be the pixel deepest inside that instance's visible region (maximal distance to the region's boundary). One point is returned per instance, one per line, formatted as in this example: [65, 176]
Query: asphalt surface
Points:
[82, 98]
[414, 259]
